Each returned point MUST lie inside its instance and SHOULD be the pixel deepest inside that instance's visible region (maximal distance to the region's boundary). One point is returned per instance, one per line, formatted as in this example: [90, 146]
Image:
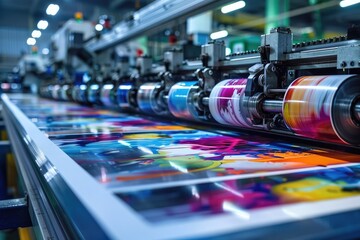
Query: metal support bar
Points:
[205, 101]
[272, 106]
[4, 147]
[14, 213]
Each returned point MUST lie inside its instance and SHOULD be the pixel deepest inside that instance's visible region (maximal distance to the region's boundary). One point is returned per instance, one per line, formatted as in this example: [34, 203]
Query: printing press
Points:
[281, 86]
[250, 145]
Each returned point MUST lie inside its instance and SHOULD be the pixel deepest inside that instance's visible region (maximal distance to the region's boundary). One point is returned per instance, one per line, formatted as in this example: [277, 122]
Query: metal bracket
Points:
[173, 60]
[207, 79]
[252, 85]
[213, 53]
[348, 57]
[14, 213]
[271, 79]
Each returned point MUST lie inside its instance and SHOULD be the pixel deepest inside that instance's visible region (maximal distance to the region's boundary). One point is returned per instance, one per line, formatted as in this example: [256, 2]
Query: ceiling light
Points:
[31, 41]
[346, 3]
[227, 51]
[219, 34]
[232, 7]
[52, 9]
[36, 34]
[45, 51]
[42, 24]
[99, 27]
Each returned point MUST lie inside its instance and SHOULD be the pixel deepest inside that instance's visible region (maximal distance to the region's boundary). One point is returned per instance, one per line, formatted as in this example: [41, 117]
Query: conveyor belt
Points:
[178, 179]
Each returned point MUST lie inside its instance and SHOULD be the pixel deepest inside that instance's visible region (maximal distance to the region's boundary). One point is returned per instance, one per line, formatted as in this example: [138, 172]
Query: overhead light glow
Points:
[42, 24]
[346, 3]
[36, 34]
[99, 27]
[45, 51]
[31, 41]
[232, 7]
[52, 9]
[227, 51]
[219, 34]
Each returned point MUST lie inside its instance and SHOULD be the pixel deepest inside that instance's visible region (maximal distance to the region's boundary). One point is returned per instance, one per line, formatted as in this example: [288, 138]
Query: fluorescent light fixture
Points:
[346, 3]
[45, 51]
[31, 41]
[42, 24]
[36, 34]
[232, 7]
[219, 34]
[52, 9]
[98, 27]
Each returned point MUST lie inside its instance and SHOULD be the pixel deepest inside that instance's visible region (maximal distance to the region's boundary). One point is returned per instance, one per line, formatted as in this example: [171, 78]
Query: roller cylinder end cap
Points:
[322, 107]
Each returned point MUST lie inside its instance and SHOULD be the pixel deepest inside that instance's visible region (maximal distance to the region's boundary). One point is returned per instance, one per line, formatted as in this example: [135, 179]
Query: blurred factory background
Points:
[313, 19]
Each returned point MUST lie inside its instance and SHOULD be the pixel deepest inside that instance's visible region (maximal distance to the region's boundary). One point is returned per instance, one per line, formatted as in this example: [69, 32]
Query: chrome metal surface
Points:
[342, 116]
[357, 111]
[205, 101]
[272, 106]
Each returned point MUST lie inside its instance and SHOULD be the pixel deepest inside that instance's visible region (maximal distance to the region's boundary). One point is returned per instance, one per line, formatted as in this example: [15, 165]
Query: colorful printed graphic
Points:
[170, 174]
[122, 150]
[308, 106]
[225, 103]
[181, 100]
[242, 195]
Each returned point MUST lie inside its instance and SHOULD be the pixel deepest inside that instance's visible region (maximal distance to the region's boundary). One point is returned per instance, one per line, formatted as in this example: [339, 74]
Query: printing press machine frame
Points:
[280, 89]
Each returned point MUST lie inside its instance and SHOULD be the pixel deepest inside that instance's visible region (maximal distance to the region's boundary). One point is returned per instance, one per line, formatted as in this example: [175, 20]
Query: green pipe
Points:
[274, 9]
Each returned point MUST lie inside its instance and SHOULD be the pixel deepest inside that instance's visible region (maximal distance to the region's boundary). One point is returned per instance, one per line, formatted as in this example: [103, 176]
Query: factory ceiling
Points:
[26, 13]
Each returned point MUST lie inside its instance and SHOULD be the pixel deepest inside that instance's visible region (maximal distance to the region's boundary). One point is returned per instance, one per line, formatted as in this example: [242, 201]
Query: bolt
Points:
[343, 64]
[273, 68]
[261, 80]
[352, 63]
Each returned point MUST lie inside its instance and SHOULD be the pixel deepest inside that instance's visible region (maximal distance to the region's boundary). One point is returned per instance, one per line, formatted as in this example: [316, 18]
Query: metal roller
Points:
[149, 99]
[225, 103]
[123, 95]
[93, 93]
[324, 108]
[63, 92]
[105, 95]
[272, 106]
[79, 93]
[55, 92]
[181, 100]
[356, 111]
